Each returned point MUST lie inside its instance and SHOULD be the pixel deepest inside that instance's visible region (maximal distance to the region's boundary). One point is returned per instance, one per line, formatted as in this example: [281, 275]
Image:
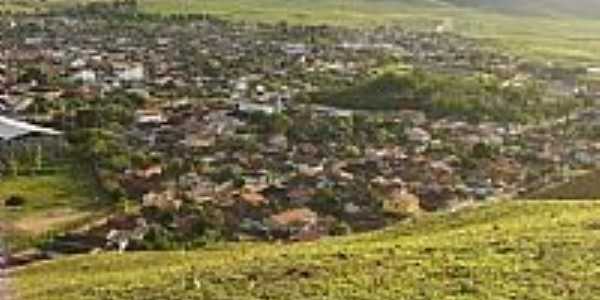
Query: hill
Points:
[580, 8]
[513, 250]
[563, 31]
[561, 37]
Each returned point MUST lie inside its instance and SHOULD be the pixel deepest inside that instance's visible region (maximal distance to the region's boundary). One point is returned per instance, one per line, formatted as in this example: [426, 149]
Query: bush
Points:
[473, 98]
[401, 204]
[340, 228]
[159, 238]
[326, 202]
[14, 201]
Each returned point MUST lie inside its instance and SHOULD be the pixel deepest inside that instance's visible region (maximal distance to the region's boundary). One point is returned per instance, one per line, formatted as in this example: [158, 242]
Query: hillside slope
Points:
[503, 251]
[567, 38]
[582, 8]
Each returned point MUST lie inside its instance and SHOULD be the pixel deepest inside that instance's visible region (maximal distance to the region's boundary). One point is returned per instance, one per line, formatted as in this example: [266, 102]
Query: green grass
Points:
[54, 201]
[31, 6]
[565, 39]
[515, 250]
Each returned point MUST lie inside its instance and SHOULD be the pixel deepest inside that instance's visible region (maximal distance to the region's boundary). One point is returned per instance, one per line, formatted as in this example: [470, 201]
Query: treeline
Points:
[473, 98]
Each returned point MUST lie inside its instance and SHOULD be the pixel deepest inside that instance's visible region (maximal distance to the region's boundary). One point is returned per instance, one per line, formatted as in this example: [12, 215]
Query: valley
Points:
[292, 149]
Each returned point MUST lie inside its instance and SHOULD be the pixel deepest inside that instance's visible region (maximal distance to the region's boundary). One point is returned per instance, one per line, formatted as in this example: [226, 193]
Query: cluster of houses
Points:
[222, 116]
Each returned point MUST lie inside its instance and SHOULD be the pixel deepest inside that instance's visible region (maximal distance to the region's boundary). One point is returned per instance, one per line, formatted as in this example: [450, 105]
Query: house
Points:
[198, 141]
[18, 139]
[78, 64]
[250, 108]
[290, 222]
[418, 135]
[253, 198]
[165, 200]
[85, 76]
[310, 171]
[149, 171]
[277, 142]
[300, 195]
[149, 117]
[130, 73]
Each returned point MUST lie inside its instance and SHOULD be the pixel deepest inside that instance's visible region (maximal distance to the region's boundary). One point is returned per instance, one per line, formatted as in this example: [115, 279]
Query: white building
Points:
[11, 129]
[85, 76]
[135, 73]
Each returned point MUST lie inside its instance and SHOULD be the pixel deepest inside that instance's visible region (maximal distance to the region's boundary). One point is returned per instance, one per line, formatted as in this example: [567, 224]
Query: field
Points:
[53, 202]
[563, 38]
[512, 250]
[32, 6]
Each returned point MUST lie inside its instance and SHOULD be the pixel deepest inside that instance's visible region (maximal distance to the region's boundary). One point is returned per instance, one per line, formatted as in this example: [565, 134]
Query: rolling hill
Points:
[536, 30]
[512, 250]
[581, 8]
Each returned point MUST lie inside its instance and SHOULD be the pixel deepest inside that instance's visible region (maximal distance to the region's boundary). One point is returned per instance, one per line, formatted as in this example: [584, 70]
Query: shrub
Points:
[14, 201]
[401, 204]
[340, 228]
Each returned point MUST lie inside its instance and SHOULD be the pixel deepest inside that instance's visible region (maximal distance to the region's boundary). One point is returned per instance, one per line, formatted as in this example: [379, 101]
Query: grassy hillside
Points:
[512, 250]
[565, 38]
[581, 8]
[37, 5]
[53, 201]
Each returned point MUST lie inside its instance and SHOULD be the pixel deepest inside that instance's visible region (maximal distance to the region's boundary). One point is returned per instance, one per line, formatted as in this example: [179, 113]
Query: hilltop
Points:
[509, 250]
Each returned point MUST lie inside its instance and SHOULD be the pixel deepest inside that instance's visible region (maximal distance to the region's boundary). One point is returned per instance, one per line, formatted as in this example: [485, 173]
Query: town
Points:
[225, 130]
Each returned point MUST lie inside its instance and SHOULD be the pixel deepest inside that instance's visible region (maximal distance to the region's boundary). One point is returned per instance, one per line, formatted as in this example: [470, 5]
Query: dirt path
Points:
[4, 291]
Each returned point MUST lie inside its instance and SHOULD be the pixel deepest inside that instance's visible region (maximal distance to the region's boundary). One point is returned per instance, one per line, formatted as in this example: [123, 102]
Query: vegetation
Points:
[475, 98]
[524, 28]
[48, 203]
[579, 187]
[587, 8]
[524, 250]
[509, 250]
[562, 38]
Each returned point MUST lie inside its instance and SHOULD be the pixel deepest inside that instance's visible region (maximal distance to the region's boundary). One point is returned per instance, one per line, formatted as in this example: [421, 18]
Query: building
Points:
[11, 129]
[26, 143]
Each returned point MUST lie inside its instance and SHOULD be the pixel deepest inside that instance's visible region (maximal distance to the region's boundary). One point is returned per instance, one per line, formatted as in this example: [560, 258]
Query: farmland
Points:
[562, 38]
